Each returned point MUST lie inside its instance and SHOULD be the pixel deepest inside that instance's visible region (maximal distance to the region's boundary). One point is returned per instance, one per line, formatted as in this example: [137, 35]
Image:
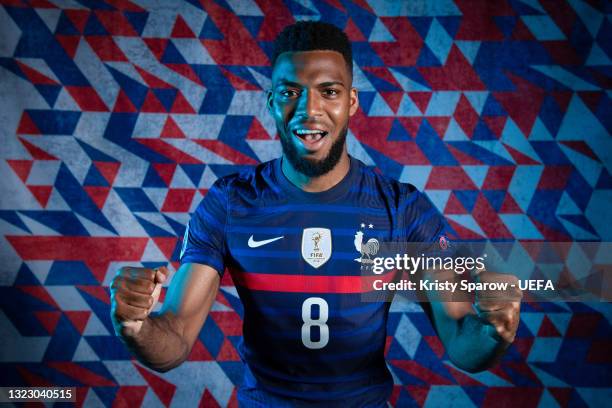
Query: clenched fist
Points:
[134, 294]
[499, 307]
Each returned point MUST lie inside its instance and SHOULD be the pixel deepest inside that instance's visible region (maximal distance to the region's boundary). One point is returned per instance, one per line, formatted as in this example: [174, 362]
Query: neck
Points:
[321, 183]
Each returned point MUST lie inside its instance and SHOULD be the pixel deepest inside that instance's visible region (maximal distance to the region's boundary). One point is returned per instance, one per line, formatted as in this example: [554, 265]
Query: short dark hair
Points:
[312, 36]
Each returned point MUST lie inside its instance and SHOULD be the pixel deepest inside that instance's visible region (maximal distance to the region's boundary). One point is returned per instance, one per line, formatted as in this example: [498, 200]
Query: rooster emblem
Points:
[369, 249]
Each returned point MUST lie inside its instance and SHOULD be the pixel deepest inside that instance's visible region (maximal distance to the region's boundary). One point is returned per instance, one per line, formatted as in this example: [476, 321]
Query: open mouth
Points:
[310, 136]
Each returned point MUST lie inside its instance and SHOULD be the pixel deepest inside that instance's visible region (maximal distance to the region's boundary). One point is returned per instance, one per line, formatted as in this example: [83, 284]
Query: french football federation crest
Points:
[316, 246]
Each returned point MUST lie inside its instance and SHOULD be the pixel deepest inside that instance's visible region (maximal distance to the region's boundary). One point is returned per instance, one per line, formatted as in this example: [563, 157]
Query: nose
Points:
[309, 104]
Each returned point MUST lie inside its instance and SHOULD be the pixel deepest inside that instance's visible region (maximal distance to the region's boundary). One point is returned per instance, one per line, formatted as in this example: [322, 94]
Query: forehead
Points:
[307, 66]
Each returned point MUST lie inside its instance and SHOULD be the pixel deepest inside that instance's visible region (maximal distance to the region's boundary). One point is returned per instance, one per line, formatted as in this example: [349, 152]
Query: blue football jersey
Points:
[294, 257]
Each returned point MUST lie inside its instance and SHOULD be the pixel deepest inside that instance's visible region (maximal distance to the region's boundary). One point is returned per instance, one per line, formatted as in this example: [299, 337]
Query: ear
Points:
[269, 99]
[354, 102]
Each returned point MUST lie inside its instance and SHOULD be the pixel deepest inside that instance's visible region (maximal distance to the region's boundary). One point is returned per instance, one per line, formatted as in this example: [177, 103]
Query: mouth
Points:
[312, 139]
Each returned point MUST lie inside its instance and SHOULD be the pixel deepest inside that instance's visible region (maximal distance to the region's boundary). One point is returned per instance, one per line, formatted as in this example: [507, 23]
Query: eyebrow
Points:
[321, 85]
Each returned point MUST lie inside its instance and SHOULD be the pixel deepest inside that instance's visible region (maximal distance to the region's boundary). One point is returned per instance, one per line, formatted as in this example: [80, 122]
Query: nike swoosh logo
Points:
[256, 244]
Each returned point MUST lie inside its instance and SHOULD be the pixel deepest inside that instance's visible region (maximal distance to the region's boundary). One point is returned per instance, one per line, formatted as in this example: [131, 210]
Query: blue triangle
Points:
[243, 72]
[388, 167]
[467, 198]
[252, 24]
[234, 131]
[482, 132]
[523, 9]
[365, 56]
[398, 132]
[152, 179]
[94, 178]
[65, 26]
[476, 394]
[605, 181]
[134, 90]
[165, 96]
[179, 229]
[172, 55]
[366, 99]
[152, 229]
[196, 4]
[551, 115]
[210, 30]
[427, 58]
[70, 273]
[12, 218]
[495, 197]
[298, 10]
[506, 24]
[12, 66]
[362, 18]
[95, 154]
[492, 107]
[64, 222]
[421, 25]
[217, 101]
[26, 277]
[580, 221]
[450, 24]
[268, 49]
[222, 170]
[433, 147]
[193, 171]
[94, 27]
[49, 92]
[138, 20]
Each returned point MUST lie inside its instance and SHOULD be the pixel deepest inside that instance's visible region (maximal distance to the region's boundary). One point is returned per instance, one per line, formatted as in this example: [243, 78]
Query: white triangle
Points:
[439, 198]
[597, 56]
[417, 175]
[56, 202]
[157, 195]
[208, 178]
[477, 173]
[94, 229]
[84, 352]
[567, 206]
[40, 269]
[92, 400]
[379, 107]
[266, 150]
[180, 179]
[467, 221]
[37, 228]
[360, 81]
[156, 219]
[152, 253]
[197, 199]
[356, 150]
[408, 84]
[495, 147]
[454, 132]
[95, 327]
[380, 33]
[264, 82]
[50, 17]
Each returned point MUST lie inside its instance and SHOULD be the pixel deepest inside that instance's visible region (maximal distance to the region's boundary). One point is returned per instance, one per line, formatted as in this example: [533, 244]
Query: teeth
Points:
[313, 137]
[307, 131]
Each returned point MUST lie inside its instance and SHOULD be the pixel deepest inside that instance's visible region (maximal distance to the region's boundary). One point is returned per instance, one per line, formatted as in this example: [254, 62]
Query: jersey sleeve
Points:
[204, 240]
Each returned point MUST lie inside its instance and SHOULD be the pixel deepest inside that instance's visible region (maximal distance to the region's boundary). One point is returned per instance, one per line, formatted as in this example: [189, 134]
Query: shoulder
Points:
[251, 181]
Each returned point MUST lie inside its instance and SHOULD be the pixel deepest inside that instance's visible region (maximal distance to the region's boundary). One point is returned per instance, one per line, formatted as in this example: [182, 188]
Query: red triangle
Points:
[180, 105]
[336, 4]
[34, 76]
[36, 152]
[563, 99]
[166, 245]
[461, 157]
[69, 43]
[152, 80]
[181, 29]
[353, 32]
[172, 130]
[440, 124]
[38, 292]
[32, 379]
[152, 104]
[521, 32]
[79, 318]
[549, 233]
[27, 125]
[108, 170]
[97, 194]
[208, 401]
[199, 353]
[509, 206]
[548, 329]
[496, 124]
[435, 344]
[78, 18]
[454, 206]
[523, 345]
[257, 131]
[41, 193]
[466, 116]
[157, 46]
[591, 99]
[21, 168]
[562, 395]
[48, 320]
[393, 99]
[420, 99]
[163, 389]
[96, 291]
[418, 393]
[461, 378]
[384, 74]
[227, 352]
[519, 157]
[462, 232]
[165, 171]
[238, 82]
[186, 71]
[124, 104]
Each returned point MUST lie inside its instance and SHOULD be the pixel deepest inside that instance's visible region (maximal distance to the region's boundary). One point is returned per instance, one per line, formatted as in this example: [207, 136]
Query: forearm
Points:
[160, 344]
[475, 345]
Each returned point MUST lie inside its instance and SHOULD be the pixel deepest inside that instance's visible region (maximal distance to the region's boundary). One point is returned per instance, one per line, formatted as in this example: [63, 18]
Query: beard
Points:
[310, 167]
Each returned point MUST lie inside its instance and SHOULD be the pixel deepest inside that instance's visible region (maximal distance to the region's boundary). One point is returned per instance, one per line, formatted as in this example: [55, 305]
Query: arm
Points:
[165, 341]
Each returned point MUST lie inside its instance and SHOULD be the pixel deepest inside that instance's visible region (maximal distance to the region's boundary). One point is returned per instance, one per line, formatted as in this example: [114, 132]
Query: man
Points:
[287, 232]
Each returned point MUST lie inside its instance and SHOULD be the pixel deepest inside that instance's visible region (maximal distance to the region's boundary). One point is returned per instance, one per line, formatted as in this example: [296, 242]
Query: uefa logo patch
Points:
[443, 243]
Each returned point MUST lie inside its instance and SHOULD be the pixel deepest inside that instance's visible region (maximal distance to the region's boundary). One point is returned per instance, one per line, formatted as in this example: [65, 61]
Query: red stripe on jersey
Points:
[307, 283]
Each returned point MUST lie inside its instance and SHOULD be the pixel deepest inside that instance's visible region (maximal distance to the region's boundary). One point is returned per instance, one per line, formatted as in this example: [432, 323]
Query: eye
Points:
[331, 92]
[288, 93]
